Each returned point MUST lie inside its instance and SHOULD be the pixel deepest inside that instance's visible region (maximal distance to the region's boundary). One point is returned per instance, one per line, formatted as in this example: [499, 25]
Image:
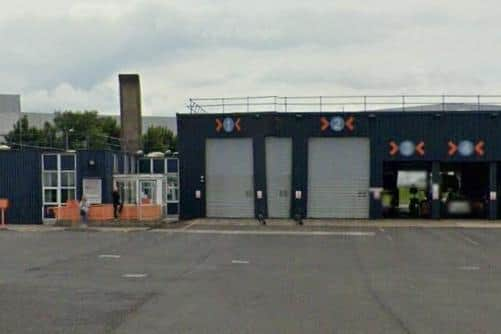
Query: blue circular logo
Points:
[337, 123]
[466, 148]
[228, 124]
[407, 148]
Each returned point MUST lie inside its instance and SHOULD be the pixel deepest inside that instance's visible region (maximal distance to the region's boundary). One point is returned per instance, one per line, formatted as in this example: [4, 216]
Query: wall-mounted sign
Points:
[228, 124]
[407, 148]
[198, 194]
[337, 123]
[92, 190]
[466, 148]
[298, 194]
[259, 194]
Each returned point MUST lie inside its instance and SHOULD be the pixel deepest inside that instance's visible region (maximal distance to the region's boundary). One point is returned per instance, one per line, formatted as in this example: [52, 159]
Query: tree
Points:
[82, 129]
[23, 134]
[88, 130]
[159, 139]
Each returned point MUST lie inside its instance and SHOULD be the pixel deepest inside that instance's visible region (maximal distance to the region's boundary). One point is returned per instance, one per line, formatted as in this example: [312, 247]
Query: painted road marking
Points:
[470, 240]
[296, 233]
[189, 225]
[109, 256]
[469, 268]
[135, 275]
[381, 229]
[389, 237]
[239, 262]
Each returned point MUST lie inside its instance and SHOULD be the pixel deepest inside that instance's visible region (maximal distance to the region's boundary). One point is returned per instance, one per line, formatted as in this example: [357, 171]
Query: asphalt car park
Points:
[262, 280]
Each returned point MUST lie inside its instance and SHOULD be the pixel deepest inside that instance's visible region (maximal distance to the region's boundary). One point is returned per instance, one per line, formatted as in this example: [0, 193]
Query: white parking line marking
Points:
[189, 225]
[239, 262]
[298, 233]
[109, 256]
[135, 275]
[381, 229]
[389, 237]
[469, 268]
[470, 240]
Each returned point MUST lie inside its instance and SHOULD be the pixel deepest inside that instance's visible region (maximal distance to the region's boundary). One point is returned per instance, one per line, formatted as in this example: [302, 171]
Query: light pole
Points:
[67, 135]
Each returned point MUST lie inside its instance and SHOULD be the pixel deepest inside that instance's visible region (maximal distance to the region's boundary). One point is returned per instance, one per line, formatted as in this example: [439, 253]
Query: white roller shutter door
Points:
[338, 177]
[278, 176]
[229, 178]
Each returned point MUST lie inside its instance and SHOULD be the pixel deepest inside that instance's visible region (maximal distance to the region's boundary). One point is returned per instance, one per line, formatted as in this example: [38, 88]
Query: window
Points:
[158, 166]
[58, 181]
[145, 166]
[127, 190]
[172, 165]
[126, 164]
[132, 165]
[67, 162]
[50, 179]
[148, 192]
[50, 196]
[115, 164]
[68, 179]
[67, 195]
[172, 188]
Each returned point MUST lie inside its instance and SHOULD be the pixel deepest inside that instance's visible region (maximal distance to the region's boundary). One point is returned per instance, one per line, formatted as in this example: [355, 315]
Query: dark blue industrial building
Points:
[427, 164]
[34, 181]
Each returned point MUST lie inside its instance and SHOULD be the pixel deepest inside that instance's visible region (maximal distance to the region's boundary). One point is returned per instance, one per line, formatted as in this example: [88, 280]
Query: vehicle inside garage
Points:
[407, 190]
[464, 190]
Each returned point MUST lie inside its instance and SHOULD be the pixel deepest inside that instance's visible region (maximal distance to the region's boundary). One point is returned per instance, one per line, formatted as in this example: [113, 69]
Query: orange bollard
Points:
[4, 204]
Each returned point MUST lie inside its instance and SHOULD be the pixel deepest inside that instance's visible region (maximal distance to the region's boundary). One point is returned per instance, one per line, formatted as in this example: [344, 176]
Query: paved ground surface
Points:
[379, 280]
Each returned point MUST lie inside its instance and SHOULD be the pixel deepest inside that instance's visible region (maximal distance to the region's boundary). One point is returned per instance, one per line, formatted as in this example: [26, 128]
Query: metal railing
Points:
[348, 103]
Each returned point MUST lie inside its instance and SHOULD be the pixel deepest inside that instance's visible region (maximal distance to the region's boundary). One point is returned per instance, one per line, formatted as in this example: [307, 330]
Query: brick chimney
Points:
[130, 112]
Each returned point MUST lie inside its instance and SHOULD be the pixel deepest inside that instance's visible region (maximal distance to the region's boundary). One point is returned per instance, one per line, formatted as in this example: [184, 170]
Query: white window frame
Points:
[168, 188]
[59, 186]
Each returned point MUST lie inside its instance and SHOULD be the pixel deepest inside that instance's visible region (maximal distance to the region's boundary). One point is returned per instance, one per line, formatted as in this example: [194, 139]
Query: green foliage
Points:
[159, 139]
[84, 130]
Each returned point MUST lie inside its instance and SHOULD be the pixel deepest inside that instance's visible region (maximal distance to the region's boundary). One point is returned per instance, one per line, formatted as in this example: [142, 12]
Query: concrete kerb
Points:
[272, 224]
[333, 223]
[49, 228]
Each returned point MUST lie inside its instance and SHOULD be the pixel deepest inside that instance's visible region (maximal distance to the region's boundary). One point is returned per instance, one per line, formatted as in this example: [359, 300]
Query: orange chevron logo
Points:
[350, 123]
[453, 148]
[479, 148]
[393, 148]
[420, 148]
[219, 125]
[324, 123]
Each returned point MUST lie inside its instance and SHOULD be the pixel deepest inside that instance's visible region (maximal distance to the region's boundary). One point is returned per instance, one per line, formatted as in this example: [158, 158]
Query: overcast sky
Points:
[63, 54]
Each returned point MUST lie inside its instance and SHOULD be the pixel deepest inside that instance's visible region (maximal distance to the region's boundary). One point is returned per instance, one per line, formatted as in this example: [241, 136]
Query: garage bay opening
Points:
[407, 190]
[464, 190]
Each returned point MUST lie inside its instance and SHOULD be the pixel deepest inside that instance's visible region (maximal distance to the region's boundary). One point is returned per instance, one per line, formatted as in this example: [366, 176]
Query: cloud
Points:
[67, 54]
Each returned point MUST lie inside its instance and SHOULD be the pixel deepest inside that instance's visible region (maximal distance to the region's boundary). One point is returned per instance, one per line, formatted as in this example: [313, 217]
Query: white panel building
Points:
[10, 112]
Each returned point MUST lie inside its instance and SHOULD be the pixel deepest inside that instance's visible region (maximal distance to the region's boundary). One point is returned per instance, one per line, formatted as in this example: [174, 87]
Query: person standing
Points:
[84, 211]
[116, 202]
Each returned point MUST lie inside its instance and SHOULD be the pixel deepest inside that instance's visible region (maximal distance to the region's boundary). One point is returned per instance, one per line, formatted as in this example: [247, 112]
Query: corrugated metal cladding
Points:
[430, 132]
[102, 168]
[20, 182]
[338, 175]
[279, 176]
[229, 178]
